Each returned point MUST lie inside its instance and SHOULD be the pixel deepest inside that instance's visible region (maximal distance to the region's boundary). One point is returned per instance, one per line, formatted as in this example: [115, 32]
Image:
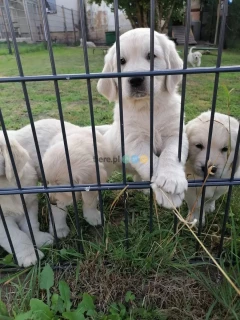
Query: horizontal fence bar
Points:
[110, 186]
[119, 75]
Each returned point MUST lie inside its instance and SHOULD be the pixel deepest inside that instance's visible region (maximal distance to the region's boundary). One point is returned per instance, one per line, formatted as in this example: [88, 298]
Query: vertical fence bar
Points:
[60, 111]
[65, 26]
[17, 177]
[121, 117]
[79, 22]
[8, 235]
[25, 5]
[6, 31]
[51, 219]
[27, 101]
[183, 93]
[74, 31]
[39, 5]
[86, 63]
[226, 214]
[214, 100]
[217, 23]
[152, 27]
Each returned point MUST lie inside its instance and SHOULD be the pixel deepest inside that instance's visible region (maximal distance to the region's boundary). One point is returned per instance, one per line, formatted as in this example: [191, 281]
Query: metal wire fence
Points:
[98, 186]
[64, 22]
[28, 24]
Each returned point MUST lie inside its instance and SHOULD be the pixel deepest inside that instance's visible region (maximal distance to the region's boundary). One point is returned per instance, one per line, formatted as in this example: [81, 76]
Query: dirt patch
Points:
[178, 296]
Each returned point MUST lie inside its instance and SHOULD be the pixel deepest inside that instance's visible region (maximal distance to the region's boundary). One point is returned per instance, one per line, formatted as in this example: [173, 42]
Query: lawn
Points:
[155, 269]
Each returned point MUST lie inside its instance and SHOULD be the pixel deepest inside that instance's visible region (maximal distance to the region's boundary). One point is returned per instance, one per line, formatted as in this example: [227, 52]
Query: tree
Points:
[138, 11]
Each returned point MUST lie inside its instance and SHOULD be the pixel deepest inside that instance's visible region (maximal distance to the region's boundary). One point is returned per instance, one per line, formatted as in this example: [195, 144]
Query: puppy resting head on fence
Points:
[224, 137]
[135, 57]
[168, 178]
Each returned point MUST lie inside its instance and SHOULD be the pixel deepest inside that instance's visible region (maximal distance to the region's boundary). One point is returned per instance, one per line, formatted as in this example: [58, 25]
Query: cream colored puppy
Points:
[168, 174]
[225, 130]
[12, 205]
[194, 58]
[46, 130]
[81, 152]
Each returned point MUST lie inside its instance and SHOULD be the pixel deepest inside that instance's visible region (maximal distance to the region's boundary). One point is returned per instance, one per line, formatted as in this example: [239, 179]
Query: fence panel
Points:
[59, 25]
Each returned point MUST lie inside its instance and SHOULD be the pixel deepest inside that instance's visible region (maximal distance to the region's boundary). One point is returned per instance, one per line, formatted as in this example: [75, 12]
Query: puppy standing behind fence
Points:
[225, 130]
[22, 144]
[81, 152]
[194, 58]
[168, 173]
[12, 206]
[46, 130]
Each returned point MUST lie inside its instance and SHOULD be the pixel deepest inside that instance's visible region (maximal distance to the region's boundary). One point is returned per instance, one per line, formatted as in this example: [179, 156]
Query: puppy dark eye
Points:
[149, 56]
[199, 146]
[123, 61]
[225, 149]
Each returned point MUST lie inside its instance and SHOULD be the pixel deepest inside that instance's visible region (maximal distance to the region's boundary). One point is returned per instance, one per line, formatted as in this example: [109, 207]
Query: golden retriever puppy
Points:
[46, 130]
[168, 180]
[194, 58]
[81, 152]
[12, 205]
[225, 130]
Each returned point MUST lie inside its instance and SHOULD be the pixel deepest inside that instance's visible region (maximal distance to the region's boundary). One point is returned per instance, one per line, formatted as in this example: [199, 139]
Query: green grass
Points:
[156, 266]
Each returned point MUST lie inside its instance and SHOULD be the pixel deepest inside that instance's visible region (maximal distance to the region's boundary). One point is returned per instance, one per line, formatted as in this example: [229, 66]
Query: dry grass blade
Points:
[117, 198]
[189, 226]
[16, 275]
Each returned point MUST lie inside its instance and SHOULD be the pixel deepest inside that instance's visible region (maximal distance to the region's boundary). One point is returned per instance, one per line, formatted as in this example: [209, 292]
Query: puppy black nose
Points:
[136, 82]
[214, 169]
[53, 202]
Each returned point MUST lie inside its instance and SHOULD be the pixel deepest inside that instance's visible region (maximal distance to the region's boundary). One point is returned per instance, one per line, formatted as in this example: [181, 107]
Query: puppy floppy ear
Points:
[20, 156]
[106, 86]
[173, 61]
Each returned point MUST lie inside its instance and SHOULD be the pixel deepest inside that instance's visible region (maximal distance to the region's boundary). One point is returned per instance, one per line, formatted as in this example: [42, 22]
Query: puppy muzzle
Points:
[137, 87]
[212, 170]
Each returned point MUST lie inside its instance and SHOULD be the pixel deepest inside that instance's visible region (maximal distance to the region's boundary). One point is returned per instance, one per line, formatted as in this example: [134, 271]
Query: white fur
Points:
[168, 174]
[225, 131]
[48, 133]
[12, 205]
[194, 58]
[46, 130]
[89, 44]
[80, 146]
